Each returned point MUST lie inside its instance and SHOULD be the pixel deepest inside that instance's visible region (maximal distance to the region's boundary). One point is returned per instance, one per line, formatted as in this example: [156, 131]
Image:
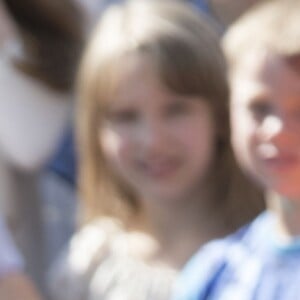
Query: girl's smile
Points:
[159, 167]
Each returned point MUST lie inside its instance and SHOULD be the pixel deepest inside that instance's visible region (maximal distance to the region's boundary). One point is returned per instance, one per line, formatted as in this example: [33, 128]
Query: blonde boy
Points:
[261, 261]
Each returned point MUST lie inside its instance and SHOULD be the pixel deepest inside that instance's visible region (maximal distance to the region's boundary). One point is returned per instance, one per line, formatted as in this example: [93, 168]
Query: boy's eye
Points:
[294, 109]
[123, 116]
[260, 109]
[296, 113]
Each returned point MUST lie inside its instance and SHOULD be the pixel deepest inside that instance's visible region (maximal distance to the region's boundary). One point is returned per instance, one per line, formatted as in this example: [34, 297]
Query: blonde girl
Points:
[157, 173]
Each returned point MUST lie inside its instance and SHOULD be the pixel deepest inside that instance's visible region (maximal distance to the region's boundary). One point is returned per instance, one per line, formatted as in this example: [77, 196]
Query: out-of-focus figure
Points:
[14, 283]
[40, 48]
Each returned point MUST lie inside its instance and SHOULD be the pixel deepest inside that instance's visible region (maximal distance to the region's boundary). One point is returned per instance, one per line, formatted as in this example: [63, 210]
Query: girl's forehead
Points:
[126, 77]
[137, 76]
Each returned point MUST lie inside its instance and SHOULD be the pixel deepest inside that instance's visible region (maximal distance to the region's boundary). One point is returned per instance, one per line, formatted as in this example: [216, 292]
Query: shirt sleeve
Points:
[10, 258]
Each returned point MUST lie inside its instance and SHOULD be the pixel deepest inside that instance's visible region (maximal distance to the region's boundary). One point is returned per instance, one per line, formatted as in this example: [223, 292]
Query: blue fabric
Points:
[244, 266]
[202, 5]
[64, 163]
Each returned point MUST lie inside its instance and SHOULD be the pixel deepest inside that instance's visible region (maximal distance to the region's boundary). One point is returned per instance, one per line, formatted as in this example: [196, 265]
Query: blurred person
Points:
[262, 260]
[157, 173]
[38, 60]
[58, 180]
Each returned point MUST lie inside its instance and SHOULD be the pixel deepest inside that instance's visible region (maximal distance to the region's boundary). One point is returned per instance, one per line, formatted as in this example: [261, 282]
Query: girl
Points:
[158, 177]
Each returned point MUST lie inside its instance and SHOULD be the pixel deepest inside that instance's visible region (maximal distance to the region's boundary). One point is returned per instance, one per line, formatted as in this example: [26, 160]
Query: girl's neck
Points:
[179, 229]
[288, 215]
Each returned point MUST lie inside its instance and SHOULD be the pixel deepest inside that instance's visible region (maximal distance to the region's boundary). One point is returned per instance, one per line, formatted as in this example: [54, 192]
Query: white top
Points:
[97, 265]
[10, 258]
[32, 115]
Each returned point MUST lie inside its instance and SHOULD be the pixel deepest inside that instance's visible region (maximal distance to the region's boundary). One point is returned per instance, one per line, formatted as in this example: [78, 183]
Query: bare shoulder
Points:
[18, 286]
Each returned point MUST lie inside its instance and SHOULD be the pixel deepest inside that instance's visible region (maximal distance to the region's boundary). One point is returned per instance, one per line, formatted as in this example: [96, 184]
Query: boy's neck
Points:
[287, 212]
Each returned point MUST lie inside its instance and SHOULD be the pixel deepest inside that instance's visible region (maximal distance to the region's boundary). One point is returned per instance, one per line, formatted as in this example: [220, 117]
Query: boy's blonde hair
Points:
[184, 48]
[273, 25]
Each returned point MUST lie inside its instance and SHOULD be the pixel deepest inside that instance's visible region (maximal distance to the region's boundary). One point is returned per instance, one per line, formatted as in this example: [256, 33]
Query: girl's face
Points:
[159, 143]
[266, 122]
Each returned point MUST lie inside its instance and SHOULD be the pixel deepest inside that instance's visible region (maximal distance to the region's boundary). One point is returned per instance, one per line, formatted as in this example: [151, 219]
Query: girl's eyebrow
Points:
[293, 63]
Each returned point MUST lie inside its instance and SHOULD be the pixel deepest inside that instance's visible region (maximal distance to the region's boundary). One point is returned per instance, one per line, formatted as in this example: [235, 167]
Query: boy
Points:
[262, 260]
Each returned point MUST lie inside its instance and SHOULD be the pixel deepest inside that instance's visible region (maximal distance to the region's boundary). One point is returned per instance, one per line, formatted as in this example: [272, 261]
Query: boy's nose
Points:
[271, 127]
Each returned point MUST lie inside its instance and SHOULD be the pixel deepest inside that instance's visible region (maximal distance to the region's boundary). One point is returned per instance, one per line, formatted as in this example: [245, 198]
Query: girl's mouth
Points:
[160, 168]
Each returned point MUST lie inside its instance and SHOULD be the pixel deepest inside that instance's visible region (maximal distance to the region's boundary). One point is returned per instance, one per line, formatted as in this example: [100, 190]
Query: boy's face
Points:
[265, 120]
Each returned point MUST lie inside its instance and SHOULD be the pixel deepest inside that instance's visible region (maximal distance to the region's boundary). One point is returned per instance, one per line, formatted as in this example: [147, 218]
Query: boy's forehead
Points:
[248, 62]
[267, 67]
[265, 72]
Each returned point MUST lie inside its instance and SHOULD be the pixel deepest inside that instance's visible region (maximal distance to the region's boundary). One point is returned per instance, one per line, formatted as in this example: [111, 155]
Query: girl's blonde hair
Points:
[184, 48]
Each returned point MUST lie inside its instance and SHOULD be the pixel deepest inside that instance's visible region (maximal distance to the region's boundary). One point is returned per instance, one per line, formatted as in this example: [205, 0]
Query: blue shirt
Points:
[202, 5]
[249, 265]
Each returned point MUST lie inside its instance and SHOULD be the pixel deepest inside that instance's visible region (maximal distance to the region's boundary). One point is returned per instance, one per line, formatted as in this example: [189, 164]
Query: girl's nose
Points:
[153, 134]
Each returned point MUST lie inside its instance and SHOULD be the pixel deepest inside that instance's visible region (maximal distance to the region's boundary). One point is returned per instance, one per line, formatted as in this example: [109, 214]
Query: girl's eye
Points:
[178, 108]
[123, 117]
